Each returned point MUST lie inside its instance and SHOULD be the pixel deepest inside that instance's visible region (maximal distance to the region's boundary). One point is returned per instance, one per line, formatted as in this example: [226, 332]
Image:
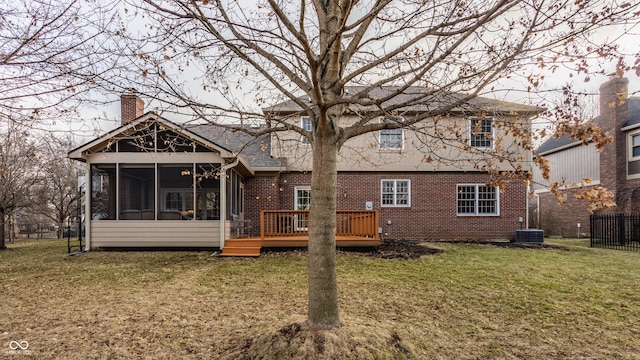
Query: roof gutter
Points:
[563, 147]
[223, 198]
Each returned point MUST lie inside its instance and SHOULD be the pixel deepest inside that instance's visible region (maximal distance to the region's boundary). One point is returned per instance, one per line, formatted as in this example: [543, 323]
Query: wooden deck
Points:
[282, 228]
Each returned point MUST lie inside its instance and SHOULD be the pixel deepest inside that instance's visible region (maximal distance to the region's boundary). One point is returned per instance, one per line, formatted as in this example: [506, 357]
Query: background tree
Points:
[50, 58]
[218, 60]
[56, 195]
[51, 55]
[18, 171]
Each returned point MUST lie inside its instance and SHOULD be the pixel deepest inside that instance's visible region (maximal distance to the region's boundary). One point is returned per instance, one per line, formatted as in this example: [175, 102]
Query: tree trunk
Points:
[2, 223]
[323, 289]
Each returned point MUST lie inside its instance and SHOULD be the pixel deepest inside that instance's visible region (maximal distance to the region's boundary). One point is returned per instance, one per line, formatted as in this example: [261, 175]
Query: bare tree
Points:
[18, 171]
[50, 57]
[207, 58]
[56, 196]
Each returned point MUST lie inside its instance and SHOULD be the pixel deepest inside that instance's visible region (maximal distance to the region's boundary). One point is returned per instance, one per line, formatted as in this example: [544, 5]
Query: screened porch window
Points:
[137, 192]
[163, 192]
[103, 192]
[176, 191]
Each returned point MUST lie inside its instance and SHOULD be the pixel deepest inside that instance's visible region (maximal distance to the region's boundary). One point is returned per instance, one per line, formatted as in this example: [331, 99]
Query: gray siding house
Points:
[616, 168]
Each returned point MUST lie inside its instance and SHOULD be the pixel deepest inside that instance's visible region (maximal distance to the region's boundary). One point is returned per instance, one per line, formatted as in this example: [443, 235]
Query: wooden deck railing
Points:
[283, 223]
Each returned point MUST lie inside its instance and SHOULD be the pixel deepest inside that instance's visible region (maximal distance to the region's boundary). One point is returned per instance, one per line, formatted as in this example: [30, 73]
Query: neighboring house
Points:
[617, 167]
[150, 172]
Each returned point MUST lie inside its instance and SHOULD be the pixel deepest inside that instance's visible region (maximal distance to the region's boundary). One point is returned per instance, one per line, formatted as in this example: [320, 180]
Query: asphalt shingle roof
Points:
[256, 151]
[417, 99]
[632, 119]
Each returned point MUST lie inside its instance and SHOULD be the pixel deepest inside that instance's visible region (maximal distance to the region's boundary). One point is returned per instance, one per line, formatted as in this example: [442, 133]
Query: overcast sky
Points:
[106, 117]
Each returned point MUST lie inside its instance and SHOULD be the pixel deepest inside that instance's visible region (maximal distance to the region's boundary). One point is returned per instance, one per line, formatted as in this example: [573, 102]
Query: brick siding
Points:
[562, 220]
[131, 107]
[432, 214]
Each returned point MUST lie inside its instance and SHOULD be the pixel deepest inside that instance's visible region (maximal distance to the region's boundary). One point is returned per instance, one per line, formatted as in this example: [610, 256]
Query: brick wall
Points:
[261, 193]
[432, 214]
[613, 113]
[131, 107]
[562, 220]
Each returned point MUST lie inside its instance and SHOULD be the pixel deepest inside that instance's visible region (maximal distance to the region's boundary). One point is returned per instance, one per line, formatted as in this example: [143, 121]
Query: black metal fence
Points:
[619, 231]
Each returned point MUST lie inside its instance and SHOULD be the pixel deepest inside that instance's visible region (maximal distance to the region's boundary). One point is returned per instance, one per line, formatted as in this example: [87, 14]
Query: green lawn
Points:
[468, 302]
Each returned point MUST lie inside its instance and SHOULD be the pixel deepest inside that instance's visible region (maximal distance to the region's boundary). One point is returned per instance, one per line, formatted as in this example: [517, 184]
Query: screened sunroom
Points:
[162, 192]
[154, 184]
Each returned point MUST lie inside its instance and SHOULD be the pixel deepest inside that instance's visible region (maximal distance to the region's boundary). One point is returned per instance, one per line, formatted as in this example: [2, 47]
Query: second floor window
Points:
[481, 131]
[391, 139]
[305, 123]
[635, 146]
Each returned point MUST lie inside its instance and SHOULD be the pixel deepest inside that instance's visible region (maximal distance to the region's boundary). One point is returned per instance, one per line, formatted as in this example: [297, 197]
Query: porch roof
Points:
[254, 153]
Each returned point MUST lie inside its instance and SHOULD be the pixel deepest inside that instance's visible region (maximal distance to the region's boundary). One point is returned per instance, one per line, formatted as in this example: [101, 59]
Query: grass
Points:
[469, 302]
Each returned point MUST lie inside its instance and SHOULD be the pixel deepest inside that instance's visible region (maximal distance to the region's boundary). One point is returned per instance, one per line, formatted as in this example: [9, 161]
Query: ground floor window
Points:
[157, 191]
[396, 193]
[477, 199]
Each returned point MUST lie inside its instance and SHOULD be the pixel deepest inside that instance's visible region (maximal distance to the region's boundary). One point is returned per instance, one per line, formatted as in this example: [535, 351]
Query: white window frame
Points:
[380, 134]
[295, 195]
[472, 129]
[305, 123]
[184, 195]
[301, 221]
[631, 146]
[476, 200]
[394, 193]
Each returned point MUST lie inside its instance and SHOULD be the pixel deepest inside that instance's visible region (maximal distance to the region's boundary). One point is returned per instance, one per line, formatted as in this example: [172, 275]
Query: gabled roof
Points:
[416, 101]
[633, 120]
[254, 153]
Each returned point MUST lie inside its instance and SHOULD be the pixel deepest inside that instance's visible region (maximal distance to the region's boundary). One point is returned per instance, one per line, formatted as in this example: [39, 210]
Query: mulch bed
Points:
[406, 249]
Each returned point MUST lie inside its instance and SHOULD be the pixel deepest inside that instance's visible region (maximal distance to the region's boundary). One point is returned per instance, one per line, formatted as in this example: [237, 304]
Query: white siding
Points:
[572, 165]
[131, 233]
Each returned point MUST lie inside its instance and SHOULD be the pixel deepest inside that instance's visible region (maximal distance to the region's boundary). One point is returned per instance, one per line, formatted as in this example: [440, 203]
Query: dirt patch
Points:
[349, 341]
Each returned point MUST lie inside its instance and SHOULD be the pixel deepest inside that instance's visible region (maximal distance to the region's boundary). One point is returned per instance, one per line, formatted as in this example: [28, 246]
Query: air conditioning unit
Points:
[535, 236]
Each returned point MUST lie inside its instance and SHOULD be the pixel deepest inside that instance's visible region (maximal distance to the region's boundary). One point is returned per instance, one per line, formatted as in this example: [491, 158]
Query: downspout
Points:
[223, 198]
[526, 212]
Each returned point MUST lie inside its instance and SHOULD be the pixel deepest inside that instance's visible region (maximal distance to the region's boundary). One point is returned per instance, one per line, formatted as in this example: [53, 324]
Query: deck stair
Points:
[242, 247]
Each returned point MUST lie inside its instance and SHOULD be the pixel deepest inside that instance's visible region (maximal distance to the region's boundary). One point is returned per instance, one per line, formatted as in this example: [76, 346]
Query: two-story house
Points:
[616, 168]
[151, 172]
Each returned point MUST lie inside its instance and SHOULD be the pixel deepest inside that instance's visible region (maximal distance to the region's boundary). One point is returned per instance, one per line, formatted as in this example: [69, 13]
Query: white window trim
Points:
[395, 193]
[295, 194]
[304, 139]
[380, 147]
[630, 156]
[493, 133]
[300, 221]
[476, 214]
[182, 191]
